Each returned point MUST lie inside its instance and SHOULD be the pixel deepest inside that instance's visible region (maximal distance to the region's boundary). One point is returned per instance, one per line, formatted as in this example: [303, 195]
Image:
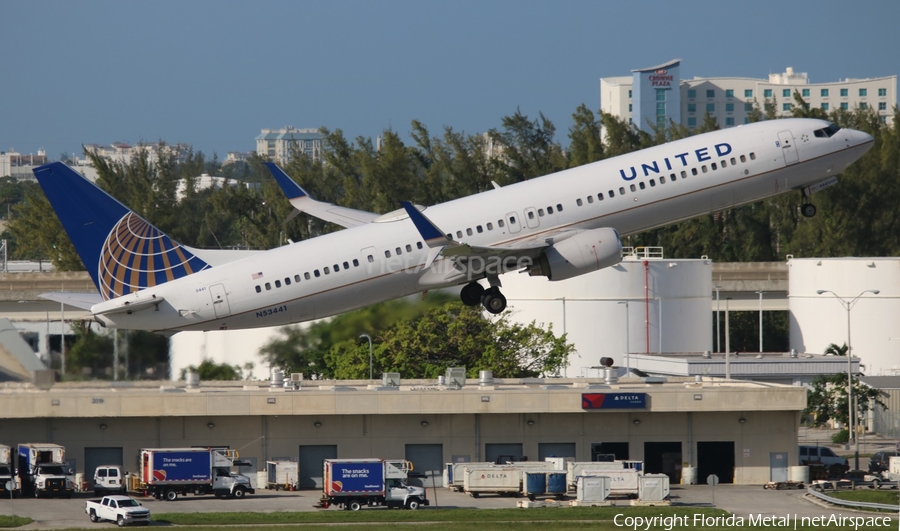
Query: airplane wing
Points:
[345, 217]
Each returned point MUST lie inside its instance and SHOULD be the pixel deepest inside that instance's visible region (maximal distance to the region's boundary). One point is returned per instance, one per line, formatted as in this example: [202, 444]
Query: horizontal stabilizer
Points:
[345, 217]
[78, 300]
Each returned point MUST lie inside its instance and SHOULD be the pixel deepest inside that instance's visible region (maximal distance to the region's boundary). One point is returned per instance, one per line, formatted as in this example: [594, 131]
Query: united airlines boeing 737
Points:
[557, 226]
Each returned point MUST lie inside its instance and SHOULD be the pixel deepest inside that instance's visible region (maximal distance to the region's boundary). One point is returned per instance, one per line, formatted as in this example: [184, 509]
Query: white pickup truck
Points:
[123, 510]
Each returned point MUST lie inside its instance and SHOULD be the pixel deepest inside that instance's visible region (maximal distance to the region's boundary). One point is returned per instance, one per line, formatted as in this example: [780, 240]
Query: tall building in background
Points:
[652, 96]
[279, 144]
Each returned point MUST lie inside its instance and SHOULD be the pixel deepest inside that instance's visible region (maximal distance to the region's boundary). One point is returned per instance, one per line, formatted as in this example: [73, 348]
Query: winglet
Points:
[430, 233]
[291, 189]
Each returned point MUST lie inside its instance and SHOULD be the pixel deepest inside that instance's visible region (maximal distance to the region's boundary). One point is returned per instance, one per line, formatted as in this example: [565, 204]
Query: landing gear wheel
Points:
[471, 294]
[808, 210]
[494, 301]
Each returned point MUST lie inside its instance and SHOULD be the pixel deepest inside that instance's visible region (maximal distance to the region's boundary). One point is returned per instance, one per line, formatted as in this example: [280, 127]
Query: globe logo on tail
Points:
[136, 255]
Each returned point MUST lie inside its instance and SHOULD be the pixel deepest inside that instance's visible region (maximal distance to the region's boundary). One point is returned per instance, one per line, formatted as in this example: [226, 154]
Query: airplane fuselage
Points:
[387, 259]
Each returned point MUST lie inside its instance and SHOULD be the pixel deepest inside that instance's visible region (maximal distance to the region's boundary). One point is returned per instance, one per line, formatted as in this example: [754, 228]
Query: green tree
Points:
[91, 354]
[835, 350]
[527, 148]
[209, 370]
[827, 398]
[303, 348]
[585, 140]
[418, 344]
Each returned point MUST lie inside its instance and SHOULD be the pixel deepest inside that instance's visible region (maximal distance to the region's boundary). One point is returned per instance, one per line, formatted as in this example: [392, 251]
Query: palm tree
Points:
[835, 350]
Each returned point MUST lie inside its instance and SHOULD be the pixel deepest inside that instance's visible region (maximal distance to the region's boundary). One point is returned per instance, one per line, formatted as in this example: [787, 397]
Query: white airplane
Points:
[558, 226]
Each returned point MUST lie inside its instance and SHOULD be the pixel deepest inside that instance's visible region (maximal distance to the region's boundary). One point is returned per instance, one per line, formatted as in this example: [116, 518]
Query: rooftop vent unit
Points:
[390, 379]
[456, 377]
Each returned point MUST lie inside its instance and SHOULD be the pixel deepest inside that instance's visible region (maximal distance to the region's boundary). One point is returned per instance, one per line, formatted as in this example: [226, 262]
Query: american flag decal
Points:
[256, 276]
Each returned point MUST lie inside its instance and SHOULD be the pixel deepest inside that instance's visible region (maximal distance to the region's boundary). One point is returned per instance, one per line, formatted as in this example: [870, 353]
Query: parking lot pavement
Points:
[742, 500]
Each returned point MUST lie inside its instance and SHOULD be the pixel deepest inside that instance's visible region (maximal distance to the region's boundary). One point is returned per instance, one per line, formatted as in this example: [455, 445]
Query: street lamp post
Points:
[718, 343]
[370, 352]
[627, 338]
[848, 305]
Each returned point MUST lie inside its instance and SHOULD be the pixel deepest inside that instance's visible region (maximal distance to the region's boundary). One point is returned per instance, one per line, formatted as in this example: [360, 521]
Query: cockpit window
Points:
[827, 132]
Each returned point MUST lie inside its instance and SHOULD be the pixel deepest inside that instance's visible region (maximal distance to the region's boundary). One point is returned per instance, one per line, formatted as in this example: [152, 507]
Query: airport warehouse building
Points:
[744, 432]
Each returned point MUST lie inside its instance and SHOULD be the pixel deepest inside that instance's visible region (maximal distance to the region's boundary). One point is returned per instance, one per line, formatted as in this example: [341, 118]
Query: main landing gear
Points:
[474, 293]
[807, 209]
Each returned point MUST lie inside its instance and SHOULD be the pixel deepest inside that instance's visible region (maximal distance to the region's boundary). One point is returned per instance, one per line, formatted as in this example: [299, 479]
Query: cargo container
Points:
[574, 469]
[455, 474]
[168, 472]
[43, 471]
[354, 483]
[653, 487]
[493, 480]
[282, 475]
[591, 489]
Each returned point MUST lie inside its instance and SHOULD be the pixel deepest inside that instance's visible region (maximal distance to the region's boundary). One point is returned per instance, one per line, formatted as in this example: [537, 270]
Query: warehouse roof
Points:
[318, 397]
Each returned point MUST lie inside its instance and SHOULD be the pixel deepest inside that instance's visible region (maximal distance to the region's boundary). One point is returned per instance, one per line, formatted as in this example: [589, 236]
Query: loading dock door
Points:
[556, 450]
[94, 457]
[312, 464]
[493, 451]
[715, 458]
[428, 463]
[663, 458]
[617, 449]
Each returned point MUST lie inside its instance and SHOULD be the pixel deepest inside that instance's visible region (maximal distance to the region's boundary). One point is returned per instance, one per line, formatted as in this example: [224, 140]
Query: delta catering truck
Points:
[353, 483]
[42, 470]
[168, 472]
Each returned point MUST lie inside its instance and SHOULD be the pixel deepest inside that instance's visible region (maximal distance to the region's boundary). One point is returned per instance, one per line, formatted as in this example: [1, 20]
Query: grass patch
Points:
[14, 521]
[468, 517]
[889, 497]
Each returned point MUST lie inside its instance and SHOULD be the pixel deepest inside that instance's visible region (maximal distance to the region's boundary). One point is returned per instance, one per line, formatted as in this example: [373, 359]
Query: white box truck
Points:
[355, 483]
[168, 472]
[43, 471]
[9, 483]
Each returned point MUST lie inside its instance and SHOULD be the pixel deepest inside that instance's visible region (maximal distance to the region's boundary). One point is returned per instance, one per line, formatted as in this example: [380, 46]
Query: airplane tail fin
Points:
[122, 252]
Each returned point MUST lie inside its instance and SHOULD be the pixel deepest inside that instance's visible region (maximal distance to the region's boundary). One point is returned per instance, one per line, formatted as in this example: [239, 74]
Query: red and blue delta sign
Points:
[614, 401]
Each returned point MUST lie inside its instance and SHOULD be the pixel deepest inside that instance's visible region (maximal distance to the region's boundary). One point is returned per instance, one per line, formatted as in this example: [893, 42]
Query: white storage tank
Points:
[665, 303]
[820, 319]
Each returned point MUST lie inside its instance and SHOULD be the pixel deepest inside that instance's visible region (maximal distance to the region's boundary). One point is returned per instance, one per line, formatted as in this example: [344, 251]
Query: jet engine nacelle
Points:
[582, 253]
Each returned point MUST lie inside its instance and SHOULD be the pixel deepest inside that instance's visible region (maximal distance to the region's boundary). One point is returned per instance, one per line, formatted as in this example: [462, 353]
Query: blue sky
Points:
[212, 73]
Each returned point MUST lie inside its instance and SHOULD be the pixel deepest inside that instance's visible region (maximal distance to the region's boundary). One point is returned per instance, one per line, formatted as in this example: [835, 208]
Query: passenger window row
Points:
[398, 251]
[479, 229]
[662, 179]
[316, 273]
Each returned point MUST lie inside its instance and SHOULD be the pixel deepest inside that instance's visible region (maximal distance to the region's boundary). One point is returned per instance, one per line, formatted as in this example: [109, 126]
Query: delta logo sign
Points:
[614, 401]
